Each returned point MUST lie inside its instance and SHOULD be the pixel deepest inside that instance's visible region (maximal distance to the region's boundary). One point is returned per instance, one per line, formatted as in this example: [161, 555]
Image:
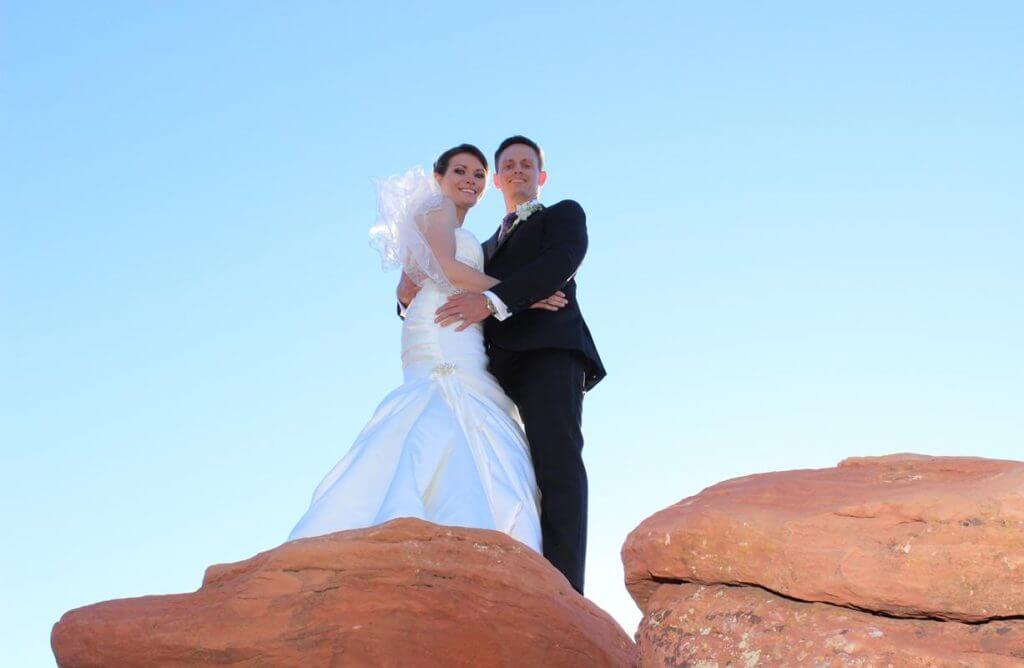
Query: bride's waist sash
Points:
[431, 367]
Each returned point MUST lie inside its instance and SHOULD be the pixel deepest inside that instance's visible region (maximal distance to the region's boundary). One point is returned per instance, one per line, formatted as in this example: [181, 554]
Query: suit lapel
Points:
[490, 246]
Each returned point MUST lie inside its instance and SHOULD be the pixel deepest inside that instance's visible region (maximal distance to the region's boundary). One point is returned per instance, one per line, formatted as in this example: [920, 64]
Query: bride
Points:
[448, 445]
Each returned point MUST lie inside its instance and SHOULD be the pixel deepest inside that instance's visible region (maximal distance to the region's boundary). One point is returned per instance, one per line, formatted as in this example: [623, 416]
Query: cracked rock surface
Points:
[406, 593]
[904, 560]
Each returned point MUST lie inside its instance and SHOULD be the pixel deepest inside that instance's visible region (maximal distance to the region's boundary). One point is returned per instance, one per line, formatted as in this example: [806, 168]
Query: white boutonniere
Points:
[527, 209]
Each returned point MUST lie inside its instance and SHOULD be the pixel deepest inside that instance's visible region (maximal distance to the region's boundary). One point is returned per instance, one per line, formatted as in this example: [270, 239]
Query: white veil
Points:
[403, 200]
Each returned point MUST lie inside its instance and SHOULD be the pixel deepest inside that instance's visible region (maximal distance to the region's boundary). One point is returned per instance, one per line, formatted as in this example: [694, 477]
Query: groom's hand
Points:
[553, 303]
[470, 308]
[406, 290]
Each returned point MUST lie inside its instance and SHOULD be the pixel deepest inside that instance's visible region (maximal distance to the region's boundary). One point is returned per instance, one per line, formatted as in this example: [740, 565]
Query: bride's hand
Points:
[553, 303]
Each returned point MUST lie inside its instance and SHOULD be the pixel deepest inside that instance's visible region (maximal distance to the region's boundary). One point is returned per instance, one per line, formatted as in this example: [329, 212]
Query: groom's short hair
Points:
[519, 139]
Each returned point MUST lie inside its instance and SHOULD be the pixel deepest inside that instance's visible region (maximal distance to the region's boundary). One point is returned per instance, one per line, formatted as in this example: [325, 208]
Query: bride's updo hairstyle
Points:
[441, 164]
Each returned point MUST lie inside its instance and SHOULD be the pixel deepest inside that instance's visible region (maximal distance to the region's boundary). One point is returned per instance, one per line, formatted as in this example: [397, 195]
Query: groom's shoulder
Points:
[569, 208]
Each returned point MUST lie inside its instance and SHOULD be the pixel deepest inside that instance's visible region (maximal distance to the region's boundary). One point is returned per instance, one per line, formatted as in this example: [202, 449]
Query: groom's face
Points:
[518, 174]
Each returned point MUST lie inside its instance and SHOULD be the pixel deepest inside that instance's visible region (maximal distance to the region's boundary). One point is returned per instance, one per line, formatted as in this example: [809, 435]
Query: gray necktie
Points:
[506, 227]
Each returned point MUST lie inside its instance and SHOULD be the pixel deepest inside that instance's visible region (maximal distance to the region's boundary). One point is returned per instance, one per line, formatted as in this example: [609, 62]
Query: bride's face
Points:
[465, 180]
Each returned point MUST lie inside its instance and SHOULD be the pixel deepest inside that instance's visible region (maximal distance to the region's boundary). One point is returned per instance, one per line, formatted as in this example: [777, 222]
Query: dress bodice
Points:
[468, 249]
[427, 347]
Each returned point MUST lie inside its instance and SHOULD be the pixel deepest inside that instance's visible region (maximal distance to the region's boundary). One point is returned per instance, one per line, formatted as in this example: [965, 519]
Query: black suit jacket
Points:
[541, 256]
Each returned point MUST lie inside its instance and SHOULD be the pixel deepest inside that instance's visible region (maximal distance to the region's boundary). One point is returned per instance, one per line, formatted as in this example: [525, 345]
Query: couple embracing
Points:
[485, 431]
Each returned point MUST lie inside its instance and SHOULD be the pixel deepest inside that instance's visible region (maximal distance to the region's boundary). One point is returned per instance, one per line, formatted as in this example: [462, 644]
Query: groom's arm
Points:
[562, 251]
[405, 292]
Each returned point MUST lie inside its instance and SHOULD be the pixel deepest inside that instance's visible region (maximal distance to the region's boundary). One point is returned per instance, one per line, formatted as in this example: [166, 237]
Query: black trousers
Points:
[547, 386]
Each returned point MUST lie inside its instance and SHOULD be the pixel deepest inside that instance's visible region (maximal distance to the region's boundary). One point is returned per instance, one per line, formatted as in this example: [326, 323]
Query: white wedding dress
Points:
[447, 446]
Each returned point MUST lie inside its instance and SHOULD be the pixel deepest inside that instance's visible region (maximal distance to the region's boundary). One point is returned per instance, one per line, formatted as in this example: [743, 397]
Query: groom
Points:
[544, 359]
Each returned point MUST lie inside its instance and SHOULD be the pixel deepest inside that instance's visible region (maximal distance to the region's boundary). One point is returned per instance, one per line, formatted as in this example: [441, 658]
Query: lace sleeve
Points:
[403, 202]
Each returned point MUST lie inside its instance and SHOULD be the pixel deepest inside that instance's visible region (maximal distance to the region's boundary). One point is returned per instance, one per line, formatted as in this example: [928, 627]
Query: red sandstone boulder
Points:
[903, 560]
[906, 535]
[696, 625]
[404, 593]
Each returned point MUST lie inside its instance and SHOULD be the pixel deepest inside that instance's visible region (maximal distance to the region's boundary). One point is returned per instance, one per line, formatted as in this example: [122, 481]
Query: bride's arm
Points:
[439, 232]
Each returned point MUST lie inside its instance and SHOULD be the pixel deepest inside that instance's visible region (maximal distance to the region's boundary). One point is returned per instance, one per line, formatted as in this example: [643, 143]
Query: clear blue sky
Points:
[806, 229]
